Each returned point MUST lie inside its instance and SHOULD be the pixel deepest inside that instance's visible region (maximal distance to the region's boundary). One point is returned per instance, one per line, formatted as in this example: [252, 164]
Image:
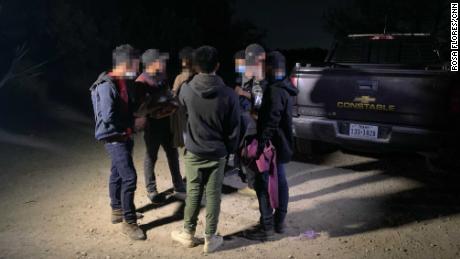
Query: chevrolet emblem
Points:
[364, 99]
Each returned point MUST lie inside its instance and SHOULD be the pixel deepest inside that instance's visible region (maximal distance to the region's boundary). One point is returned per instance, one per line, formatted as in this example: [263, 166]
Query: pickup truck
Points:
[378, 93]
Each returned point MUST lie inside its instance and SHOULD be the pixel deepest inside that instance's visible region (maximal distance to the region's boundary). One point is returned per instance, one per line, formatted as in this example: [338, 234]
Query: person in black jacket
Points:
[274, 125]
[158, 129]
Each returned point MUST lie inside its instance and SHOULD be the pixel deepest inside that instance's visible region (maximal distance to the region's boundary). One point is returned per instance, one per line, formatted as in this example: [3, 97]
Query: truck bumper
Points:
[395, 138]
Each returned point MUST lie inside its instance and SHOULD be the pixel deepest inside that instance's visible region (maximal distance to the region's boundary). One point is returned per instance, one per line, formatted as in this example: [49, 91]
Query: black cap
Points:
[252, 52]
[276, 59]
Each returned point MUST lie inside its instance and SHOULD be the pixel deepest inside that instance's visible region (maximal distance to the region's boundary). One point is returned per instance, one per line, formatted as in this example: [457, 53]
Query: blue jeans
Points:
[123, 178]
[268, 219]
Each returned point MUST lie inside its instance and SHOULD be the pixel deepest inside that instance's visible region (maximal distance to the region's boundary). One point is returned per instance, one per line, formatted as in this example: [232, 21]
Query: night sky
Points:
[289, 24]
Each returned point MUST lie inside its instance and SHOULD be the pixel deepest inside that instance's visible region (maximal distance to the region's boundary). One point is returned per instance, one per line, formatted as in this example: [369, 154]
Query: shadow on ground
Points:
[437, 195]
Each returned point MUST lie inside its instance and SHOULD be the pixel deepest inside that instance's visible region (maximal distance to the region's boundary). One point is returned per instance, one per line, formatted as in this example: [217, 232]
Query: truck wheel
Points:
[303, 147]
[312, 150]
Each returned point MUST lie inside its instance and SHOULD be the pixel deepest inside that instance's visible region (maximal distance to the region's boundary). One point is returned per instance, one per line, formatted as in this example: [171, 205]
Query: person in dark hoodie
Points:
[274, 125]
[113, 113]
[158, 129]
[212, 134]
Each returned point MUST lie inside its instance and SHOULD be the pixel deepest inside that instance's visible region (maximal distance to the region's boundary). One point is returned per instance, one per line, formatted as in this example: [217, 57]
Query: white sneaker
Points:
[184, 238]
[212, 243]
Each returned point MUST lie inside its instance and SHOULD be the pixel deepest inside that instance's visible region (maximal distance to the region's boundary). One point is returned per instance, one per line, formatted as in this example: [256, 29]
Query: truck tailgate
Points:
[393, 96]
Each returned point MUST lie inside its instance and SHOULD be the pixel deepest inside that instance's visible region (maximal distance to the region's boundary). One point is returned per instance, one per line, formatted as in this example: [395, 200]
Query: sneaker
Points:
[133, 231]
[180, 193]
[117, 216]
[180, 189]
[246, 191]
[212, 243]
[185, 238]
[259, 233]
[154, 196]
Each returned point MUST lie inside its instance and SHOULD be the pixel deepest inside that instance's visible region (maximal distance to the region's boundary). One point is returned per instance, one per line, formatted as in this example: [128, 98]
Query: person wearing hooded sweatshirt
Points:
[212, 134]
[274, 125]
[113, 112]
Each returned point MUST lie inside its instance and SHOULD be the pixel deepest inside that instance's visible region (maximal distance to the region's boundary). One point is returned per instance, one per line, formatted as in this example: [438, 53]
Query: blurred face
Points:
[187, 66]
[127, 70]
[156, 67]
[240, 65]
[276, 73]
[133, 70]
[256, 71]
[279, 73]
[185, 63]
[120, 69]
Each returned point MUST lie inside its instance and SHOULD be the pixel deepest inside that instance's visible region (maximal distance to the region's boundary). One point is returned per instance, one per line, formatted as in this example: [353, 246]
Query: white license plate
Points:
[363, 131]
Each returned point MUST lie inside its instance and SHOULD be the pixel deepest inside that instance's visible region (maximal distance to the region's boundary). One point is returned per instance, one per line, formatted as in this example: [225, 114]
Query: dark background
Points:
[54, 49]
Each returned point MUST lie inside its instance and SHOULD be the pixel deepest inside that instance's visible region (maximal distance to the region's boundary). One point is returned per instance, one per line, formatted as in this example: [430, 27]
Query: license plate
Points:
[363, 131]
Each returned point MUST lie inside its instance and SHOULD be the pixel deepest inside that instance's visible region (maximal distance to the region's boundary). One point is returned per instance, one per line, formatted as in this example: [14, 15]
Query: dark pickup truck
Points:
[378, 93]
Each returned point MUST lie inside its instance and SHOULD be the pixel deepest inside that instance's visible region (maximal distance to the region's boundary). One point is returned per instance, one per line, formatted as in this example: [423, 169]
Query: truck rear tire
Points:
[311, 149]
[303, 147]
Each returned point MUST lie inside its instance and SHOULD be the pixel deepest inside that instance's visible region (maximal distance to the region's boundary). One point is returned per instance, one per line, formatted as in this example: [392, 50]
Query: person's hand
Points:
[260, 148]
[239, 90]
[139, 123]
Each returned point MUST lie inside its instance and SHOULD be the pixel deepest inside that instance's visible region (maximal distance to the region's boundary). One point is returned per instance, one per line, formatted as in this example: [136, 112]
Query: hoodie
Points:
[111, 117]
[275, 118]
[213, 117]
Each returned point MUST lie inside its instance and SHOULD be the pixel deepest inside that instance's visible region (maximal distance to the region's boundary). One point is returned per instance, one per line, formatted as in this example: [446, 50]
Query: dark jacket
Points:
[155, 99]
[110, 120]
[213, 117]
[275, 118]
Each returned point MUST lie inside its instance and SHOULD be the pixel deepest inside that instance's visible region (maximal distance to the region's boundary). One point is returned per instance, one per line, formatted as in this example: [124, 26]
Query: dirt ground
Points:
[54, 204]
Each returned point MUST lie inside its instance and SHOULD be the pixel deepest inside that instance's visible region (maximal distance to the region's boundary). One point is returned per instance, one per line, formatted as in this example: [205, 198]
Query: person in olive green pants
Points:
[213, 127]
[203, 176]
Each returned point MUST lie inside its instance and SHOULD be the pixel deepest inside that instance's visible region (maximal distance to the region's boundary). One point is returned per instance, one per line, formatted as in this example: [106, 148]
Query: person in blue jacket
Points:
[113, 113]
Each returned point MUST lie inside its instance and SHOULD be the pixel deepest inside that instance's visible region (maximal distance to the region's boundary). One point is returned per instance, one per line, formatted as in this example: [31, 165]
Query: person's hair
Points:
[187, 55]
[276, 59]
[124, 53]
[240, 54]
[150, 56]
[205, 59]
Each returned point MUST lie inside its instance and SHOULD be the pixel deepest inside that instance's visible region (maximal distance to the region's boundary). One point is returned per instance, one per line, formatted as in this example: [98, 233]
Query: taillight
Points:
[295, 81]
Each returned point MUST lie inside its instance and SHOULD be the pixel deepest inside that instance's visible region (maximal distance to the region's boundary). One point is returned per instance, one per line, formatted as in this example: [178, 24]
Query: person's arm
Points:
[107, 95]
[177, 83]
[239, 91]
[181, 97]
[233, 125]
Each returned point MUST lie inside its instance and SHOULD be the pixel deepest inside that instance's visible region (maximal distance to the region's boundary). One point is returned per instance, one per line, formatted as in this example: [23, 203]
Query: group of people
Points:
[249, 121]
